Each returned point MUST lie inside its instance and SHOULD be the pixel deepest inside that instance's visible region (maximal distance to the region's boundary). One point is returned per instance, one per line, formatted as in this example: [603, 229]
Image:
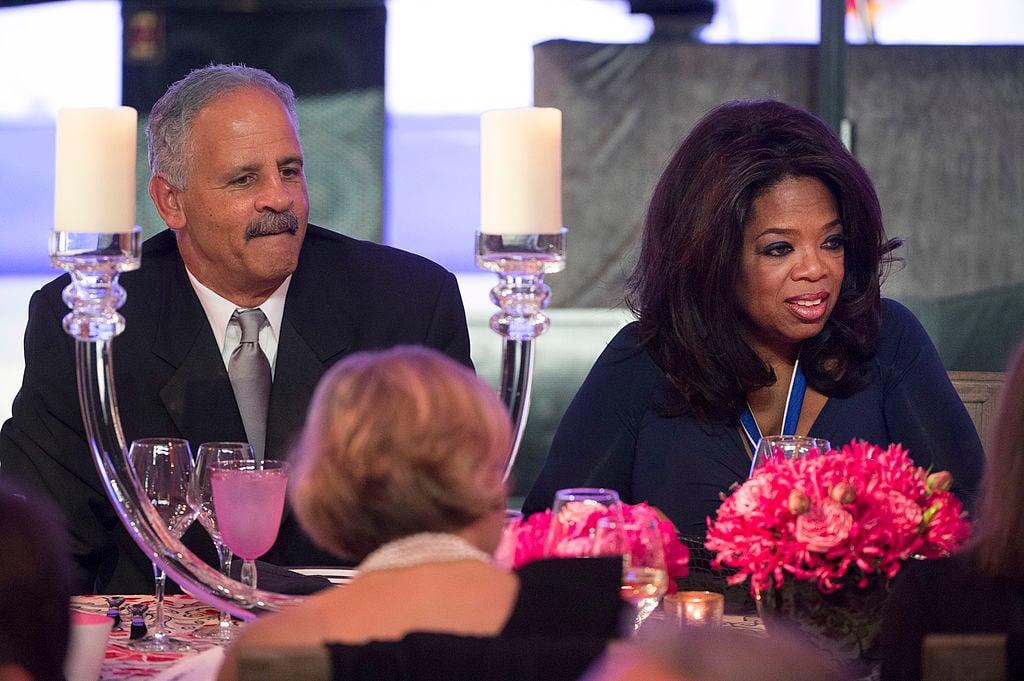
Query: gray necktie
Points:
[249, 371]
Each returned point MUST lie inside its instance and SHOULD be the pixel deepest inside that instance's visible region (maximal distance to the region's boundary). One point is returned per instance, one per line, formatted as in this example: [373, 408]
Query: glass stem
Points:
[224, 553]
[160, 578]
[249, 573]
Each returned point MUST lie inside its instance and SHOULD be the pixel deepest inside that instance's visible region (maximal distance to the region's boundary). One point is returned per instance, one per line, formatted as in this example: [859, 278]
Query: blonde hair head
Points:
[397, 442]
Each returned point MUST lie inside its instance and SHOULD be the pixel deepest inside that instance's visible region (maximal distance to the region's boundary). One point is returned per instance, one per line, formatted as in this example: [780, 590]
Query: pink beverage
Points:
[249, 504]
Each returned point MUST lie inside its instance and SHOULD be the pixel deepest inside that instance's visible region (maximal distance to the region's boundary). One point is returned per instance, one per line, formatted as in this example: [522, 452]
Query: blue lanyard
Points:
[794, 402]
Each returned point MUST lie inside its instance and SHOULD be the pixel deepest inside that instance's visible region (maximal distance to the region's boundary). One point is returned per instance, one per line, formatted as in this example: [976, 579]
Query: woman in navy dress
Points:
[758, 304]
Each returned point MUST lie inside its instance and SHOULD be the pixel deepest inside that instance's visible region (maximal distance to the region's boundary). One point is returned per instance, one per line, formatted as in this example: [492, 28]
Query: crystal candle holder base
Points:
[520, 261]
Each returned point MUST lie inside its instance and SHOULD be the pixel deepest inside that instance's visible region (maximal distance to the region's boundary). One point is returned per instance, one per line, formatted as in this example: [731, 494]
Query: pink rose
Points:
[747, 498]
[824, 527]
[903, 512]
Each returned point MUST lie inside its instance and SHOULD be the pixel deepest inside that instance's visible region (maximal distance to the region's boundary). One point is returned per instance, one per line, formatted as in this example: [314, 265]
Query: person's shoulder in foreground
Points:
[35, 586]
[982, 588]
[668, 653]
[945, 595]
[399, 466]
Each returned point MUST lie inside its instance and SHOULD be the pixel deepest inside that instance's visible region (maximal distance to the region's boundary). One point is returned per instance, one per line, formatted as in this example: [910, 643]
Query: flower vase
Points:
[844, 624]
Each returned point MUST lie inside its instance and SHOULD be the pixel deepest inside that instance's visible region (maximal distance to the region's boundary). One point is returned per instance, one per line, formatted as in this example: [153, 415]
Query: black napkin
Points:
[271, 577]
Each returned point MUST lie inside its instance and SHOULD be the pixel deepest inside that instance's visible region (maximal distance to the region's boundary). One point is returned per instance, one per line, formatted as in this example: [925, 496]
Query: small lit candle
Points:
[521, 171]
[94, 184]
[699, 608]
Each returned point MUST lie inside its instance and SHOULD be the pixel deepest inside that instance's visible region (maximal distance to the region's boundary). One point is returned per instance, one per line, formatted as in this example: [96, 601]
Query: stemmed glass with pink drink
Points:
[200, 498]
[248, 497]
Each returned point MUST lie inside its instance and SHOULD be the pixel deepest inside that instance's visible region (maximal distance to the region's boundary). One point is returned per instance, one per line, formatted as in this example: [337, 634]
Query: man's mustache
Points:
[272, 223]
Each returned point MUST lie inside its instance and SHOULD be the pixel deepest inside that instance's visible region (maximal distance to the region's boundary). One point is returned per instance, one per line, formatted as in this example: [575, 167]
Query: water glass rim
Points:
[250, 465]
[586, 492]
[793, 438]
[158, 441]
[225, 443]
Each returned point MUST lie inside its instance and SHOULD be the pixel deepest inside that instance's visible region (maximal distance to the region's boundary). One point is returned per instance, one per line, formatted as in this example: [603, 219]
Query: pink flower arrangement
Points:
[533, 533]
[847, 513]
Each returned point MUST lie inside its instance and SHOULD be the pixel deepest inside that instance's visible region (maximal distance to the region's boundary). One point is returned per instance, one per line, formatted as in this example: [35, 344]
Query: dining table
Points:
[184, 614]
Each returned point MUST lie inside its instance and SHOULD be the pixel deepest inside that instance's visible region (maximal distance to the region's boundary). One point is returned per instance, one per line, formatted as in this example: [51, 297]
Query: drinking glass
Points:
[574, 515]
[164, 468]
[505, 554]
[200, 498]
[695, 608]
[248, 497]
[786, 447]
[644, 572]
[609, 539]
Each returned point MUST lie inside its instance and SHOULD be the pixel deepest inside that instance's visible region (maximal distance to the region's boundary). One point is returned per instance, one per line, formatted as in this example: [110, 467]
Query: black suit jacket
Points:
[345, 296]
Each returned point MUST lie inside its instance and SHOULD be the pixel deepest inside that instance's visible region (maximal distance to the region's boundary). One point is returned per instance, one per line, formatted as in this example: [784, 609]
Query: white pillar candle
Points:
[521, 171]
[94, 185]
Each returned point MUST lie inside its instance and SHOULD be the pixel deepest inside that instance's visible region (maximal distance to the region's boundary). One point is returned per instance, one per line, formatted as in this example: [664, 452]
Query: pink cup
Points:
[87, 646]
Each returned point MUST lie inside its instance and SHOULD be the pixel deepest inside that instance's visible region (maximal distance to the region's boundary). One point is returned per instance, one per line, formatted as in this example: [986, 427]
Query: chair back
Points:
[964, 657]
[427, 657]
[448, 657]
[273, 663]
[978, 390]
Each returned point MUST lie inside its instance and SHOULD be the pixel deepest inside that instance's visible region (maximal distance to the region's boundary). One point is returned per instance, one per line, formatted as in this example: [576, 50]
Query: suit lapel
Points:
[197, 395]
[297, 371]
[306, 348]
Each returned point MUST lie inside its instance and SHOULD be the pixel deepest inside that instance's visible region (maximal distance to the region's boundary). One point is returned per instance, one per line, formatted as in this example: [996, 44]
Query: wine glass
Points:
[505, 554]
[644, 572]
[609, 539]
[249, 499]
[787, 447]
[200, 498]
[574, 515]
[164, 468]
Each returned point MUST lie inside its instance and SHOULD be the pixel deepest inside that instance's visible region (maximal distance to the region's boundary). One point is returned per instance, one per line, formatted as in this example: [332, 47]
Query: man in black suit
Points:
[227, 179]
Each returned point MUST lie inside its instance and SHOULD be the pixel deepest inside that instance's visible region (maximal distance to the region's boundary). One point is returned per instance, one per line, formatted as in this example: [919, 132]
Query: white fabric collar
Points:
[219, 310]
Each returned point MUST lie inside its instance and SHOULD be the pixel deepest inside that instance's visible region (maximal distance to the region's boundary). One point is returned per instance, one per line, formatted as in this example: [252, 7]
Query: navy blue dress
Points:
[611, 435]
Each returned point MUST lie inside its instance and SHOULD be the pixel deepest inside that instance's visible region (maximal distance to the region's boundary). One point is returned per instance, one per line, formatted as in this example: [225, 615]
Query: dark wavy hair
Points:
[683, 286]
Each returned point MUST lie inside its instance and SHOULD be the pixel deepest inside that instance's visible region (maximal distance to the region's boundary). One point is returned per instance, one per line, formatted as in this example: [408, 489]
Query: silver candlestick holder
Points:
[95, 261]
[520, 261]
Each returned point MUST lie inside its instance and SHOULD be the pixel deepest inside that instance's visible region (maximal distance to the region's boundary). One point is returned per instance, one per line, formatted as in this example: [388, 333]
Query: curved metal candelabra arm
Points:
[515, 388]
[95, 261]
[520, 261]
[102, 424]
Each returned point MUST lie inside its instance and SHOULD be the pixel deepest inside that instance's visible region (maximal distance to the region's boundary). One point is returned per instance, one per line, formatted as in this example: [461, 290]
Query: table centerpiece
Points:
[819, 538]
